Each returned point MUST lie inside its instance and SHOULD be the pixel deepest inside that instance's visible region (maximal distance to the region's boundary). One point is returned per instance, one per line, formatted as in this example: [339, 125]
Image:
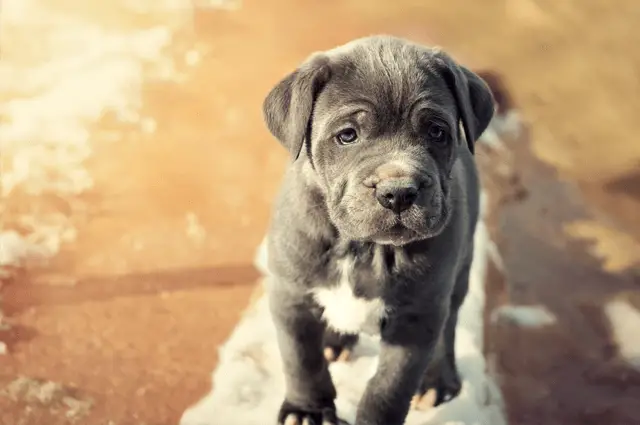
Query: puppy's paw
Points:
[439, 386]
[337, 346]
[292, 415]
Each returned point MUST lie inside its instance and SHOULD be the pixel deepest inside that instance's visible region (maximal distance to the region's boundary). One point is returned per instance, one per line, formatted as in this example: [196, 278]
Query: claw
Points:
[345, 355]
[330, 355]
[292, 415]
[425, 401]
[292, 420]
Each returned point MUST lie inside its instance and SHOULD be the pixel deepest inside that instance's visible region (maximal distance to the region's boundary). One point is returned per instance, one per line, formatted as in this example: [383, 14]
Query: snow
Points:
[248, 384]
[47, 393]
[532, 316]
[51, 93]
[625, 322]
[60, 72]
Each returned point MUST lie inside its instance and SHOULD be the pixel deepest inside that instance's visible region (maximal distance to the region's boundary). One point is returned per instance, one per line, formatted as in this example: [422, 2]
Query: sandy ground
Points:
[157, 267]
[576, 361]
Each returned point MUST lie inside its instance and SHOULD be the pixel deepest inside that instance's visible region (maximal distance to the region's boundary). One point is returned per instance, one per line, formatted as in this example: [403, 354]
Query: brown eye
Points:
[347, 136]
[437, 134]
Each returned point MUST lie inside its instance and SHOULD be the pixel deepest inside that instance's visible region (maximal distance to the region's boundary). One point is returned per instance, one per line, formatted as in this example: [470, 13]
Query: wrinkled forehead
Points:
[388, 77]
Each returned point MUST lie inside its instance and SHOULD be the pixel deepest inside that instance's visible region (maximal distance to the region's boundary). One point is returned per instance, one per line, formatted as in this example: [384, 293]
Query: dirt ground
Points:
[131, 313]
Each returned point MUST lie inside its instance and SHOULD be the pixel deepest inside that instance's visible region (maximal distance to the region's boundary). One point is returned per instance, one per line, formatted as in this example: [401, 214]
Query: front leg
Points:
[407, 346]
[310, 393]
[442, 374]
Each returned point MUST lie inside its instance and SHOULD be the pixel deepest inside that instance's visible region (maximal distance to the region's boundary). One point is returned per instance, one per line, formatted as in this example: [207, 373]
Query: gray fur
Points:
[416, 262]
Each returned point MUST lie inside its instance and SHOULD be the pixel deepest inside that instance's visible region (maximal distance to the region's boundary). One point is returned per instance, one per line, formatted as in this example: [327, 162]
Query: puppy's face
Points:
[380, 117]
[383, 141]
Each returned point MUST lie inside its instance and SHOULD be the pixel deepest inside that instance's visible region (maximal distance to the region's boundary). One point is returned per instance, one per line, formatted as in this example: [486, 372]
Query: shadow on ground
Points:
[569, 372]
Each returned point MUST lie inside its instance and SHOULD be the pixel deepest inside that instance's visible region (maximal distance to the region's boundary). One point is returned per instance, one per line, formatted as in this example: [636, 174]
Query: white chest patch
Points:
[345, 312]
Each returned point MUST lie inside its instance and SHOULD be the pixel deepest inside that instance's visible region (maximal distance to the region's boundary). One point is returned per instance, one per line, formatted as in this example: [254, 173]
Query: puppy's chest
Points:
[352, 302]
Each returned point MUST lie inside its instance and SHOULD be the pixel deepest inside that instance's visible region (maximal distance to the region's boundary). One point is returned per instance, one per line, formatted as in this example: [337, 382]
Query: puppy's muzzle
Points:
[398, 194]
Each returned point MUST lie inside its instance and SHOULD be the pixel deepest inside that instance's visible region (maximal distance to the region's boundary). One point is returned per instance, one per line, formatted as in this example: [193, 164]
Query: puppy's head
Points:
[379, 121]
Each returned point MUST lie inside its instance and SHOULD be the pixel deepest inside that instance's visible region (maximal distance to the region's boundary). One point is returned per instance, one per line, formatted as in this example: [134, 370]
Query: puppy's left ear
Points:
[473, 98]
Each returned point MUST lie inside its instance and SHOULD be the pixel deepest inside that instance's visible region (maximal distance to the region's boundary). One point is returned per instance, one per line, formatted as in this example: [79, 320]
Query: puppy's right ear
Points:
[289, 105]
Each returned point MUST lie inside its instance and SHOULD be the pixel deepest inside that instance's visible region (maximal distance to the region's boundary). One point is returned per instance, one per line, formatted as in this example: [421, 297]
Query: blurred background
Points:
[137, 180]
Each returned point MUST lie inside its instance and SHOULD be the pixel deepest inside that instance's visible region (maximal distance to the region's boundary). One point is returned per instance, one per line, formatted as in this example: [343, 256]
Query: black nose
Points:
[396, 195]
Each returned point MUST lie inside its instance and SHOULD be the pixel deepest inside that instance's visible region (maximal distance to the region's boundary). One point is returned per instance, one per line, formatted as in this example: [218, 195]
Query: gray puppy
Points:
[373, 227]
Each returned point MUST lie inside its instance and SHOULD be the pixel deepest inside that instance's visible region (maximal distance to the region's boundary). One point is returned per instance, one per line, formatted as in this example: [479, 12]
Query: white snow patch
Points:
[229, 5]
[261, 259]
[66, 73]
[625, 322]
[15, 248]
[510, 124]
[525, 316]
[195, 230]
[494, 254]
[248, 384]
[491, 138]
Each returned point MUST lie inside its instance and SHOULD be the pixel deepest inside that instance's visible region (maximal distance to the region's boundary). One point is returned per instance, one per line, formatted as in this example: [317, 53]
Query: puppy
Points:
[373, 227]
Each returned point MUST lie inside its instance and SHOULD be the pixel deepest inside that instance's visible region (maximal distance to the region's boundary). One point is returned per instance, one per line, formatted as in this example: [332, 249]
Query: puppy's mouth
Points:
[398, 234]
[361, 217]
[412, 226]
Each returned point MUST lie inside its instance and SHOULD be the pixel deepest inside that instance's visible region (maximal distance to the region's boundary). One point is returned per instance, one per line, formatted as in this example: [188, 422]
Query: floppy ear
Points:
[289, 105]
[473, 98]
